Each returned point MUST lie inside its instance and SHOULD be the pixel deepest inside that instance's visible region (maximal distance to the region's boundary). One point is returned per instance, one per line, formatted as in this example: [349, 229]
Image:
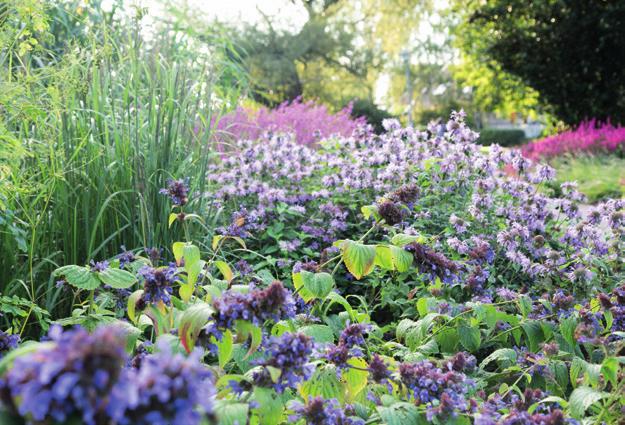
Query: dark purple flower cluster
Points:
[274, 302]
[8, 342]
[354, 334]
[290, 354]
[69, 377]
[442, 392]
[126, 258]
[178, 191]
[241, 224]
[433, 263]
[379, 372]
[168, 388]
[318, 411]
[513, 410]
[157, 284]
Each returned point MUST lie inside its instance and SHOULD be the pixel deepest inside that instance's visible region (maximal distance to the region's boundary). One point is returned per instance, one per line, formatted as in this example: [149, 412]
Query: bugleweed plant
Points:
[95, 128]
[513, 310]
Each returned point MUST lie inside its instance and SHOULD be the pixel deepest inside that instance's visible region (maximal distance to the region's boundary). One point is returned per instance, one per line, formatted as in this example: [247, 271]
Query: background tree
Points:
[569, 51]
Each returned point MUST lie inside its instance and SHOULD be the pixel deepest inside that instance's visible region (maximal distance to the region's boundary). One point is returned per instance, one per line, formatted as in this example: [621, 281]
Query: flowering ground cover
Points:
[401, 278]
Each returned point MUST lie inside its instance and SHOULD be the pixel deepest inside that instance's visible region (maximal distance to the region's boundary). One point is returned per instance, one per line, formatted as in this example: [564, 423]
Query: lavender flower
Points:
[318, 411]
[290, 354]
[71, 377]
[8, 342]
[168, 388]
[178, 191]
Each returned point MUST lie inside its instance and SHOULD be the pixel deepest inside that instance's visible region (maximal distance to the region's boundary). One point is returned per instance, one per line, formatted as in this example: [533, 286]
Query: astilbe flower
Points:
[157, 284]
[290, 353]
[168, 388]
[318, 411]
[8, 342]
[177, 191]
[442, 392]
[70, 376]
[274, 302]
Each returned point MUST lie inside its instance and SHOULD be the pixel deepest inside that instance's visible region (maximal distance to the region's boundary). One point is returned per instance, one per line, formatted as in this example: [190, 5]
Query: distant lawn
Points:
[599, 177]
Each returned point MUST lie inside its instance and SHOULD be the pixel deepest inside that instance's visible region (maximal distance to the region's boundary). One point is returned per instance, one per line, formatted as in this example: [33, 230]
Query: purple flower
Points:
[72, 376]
[168, 388]
[354, 334]
[8, 342]
[290, 354]
[126, 257]
[318, 411]
[157, 283]
[99, 266]
[178, 191]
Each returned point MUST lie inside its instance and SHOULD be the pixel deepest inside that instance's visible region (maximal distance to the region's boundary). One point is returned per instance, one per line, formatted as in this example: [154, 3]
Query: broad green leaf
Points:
[132, 304]
[582, 398]
[534, 332]
[384, 257]
[401, 413]
[402, 239]
[358, 258]
[313, 285]
[609, 369]
[320, 333]
[470, 337]
[172, 218]
[116, 278]
[402, 259]
[270, 406]
[186, 291]
[225, 270]
[229, 413]
[225, 348]
[355, 379]
[323, 383]
[191, 323]
[79, 277]
[506, 357]
[178, 250]
[247, 330]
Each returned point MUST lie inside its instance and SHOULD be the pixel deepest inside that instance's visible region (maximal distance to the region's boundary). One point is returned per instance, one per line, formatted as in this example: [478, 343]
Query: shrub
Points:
[502, 137]
[307, 121]
[371, 112]
[589, 136]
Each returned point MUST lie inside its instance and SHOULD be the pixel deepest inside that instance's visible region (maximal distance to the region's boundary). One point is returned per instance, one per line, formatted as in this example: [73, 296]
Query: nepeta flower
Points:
[8, 342]
[71, 378]
[168, 388]
[354, 334]
[290, 354]
[433, 263]
[178, 191]
[274, 302]
[126, 257]
[157, 283]
[318, 411]
[99, 266]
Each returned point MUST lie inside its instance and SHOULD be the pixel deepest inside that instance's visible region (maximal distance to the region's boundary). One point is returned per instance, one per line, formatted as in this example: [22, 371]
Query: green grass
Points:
[91, 135]
[599, 177]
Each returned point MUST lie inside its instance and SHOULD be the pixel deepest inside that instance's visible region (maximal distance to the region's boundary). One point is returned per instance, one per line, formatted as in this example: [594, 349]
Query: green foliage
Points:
[552, 47]
[598, 176]
[502, 137]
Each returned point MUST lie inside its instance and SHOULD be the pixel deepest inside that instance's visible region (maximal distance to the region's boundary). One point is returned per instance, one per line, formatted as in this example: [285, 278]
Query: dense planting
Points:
[404, 278]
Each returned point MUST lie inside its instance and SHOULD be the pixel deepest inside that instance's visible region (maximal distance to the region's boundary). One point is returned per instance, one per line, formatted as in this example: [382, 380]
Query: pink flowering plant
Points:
[376, 279]
[306, 121]
[589, 137]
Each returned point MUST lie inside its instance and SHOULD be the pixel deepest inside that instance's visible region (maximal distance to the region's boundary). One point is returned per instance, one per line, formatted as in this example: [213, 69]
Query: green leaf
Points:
[402, 239]
[525, 305]
[172, 218]
[270, 406]
[191, 323]
[132, 304]
[225, 270]
[247, 330]
[470, 337]
[225, 348]
[534, 332]
[358, 258]
[582, 398]
[384, 257]
[323, 383]
[320, 333]
[402, 259]
[229, 413]
[313, 285]
[370, 210]
[116, 278]
[79, 277]
[355, 379]
[505, 356]
[609, 369]
[401, 413]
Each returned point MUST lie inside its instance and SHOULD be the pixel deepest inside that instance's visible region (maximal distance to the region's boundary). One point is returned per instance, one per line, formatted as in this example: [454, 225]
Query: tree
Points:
[569, 51]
